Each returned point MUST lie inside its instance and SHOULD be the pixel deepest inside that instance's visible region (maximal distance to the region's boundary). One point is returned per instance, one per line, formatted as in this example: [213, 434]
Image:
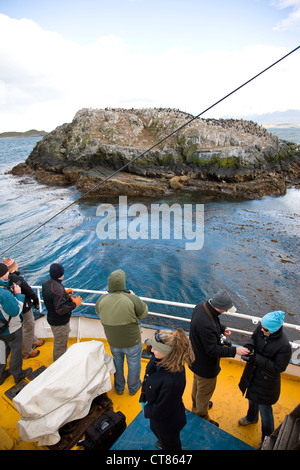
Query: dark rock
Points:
[234, 157]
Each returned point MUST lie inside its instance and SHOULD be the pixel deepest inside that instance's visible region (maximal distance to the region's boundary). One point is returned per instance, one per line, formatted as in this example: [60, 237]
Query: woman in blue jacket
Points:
[163, 386]
[11, 305]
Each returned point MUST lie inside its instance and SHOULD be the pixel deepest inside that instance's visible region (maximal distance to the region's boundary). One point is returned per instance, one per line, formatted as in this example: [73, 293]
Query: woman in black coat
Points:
[270, 355]
[163, 386]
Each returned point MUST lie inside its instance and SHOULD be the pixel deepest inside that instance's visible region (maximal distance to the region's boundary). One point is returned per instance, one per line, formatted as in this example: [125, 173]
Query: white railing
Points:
[253, 319]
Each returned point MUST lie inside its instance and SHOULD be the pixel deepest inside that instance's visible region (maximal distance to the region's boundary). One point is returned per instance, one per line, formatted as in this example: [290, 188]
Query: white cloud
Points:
[293, 19]
[45, 79]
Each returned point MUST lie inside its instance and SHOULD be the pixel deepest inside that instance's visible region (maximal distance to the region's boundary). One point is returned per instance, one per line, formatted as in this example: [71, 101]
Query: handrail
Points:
[254, 319]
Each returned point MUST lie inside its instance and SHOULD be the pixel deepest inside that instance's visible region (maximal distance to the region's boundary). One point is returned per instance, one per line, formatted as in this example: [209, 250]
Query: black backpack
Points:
[104, 431]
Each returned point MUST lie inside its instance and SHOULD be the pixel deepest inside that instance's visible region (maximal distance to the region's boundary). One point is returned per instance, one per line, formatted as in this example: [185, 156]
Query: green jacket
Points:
[119, 312]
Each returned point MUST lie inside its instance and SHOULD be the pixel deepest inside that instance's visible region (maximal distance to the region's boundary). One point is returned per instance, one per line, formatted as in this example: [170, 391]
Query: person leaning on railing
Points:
[119, 311]
[59, 305]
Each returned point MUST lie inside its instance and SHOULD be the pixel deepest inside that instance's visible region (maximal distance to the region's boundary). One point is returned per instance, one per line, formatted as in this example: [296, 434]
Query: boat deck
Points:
[228, 403]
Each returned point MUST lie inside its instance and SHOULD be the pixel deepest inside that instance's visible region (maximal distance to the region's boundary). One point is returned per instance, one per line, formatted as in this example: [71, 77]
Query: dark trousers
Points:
[12, 343]
[266, 414]
[167, 441]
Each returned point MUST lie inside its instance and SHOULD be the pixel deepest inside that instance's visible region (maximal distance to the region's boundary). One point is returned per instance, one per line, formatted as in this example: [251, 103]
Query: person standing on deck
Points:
[270, 353]
[119, 312]
[59, 305]
[11, 305]
[30, 341]
[163, 386]
[206, 337]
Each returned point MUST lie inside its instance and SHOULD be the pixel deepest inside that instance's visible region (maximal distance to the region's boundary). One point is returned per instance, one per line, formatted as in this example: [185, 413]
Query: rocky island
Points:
[233, 157]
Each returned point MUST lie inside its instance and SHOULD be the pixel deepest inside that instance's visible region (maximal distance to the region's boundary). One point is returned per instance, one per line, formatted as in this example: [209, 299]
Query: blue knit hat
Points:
[273, 321]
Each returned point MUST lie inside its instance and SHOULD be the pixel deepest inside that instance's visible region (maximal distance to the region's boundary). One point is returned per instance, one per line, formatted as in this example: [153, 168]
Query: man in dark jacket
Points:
[270, 353]
[206, 339]
[59, 305]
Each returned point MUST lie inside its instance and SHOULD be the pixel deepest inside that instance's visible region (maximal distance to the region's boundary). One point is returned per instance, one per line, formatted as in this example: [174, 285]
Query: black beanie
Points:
[56, 270]
[3, 269]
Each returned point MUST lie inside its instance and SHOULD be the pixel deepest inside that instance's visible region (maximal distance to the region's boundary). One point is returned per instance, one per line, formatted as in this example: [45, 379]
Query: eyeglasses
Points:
[158, 338]
[264, 329]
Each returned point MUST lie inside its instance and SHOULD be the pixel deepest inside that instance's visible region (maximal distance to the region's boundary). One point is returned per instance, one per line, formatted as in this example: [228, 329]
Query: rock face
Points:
[233, 157]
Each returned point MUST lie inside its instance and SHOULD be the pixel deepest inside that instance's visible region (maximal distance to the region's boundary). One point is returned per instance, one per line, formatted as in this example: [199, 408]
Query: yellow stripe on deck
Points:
[228, 403]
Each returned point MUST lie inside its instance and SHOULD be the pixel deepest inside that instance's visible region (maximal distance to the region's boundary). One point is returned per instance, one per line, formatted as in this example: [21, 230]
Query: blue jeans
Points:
[267, 418]
[133, 357]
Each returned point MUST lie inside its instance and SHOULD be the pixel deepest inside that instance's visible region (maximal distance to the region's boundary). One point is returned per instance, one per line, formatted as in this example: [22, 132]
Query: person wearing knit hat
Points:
[59, 305]
[30, 340]
[56, 271]
[164, 384]
[273, 321]
[210, 342]
[11, 303]
[269, 357]
[11, 264]
[3, 269]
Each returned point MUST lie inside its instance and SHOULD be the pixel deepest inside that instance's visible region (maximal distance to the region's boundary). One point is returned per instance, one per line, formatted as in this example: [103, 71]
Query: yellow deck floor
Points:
[228, 403]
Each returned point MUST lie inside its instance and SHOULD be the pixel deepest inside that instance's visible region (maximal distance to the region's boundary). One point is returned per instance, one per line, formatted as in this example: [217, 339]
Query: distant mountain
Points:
[31, 133]
[290, 116]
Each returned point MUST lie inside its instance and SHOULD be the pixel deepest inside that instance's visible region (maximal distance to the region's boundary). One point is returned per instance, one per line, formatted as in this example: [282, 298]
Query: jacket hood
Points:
[117, 281]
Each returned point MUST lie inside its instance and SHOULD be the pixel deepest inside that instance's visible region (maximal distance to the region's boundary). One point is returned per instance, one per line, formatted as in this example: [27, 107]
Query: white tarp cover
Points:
[63, 392]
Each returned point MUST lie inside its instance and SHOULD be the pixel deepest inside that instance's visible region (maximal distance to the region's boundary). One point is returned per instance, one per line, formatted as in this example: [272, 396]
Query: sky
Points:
[59, 56]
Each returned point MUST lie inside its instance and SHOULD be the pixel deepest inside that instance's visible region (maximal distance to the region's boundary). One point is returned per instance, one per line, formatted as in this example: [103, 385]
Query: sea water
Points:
[251, 248]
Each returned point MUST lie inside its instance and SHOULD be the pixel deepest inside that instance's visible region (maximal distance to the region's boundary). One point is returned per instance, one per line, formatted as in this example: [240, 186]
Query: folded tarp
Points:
[63, 392]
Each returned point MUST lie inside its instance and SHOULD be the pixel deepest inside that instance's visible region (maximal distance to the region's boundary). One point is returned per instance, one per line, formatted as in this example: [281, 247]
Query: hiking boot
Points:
[244, 421]
[211, 421]
[4, 376]
[33, 354]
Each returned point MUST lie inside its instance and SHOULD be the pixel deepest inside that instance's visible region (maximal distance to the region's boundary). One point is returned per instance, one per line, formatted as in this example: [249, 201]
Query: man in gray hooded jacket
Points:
[119, 312]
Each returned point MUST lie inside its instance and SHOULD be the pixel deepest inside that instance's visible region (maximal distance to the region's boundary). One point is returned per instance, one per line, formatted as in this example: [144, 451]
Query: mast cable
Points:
[150, 148]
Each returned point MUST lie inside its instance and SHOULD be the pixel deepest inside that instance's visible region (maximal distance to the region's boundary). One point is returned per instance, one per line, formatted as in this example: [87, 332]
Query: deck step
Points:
[13, 391]
[198, 434]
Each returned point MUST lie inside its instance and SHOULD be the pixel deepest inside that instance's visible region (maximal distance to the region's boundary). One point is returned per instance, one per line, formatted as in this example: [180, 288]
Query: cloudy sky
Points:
[58, 56]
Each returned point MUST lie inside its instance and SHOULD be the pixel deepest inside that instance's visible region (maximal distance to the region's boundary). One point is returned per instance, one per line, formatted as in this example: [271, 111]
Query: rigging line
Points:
[153, 146]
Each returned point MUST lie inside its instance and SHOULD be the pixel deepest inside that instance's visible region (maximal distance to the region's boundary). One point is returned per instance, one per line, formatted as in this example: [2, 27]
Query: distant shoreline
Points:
[280, 126]
[31, 133]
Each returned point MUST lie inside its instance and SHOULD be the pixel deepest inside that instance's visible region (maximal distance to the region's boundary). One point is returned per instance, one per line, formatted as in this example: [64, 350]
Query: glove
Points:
[249, 358]
[77, 300]
[69, 291]
[143, 404]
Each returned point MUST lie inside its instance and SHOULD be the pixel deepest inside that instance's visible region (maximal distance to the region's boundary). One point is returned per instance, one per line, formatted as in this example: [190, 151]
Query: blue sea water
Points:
[251, 248]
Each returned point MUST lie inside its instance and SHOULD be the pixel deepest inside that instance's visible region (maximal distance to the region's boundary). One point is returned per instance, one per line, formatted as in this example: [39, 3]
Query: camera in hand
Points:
[12, 287]
[224, 341]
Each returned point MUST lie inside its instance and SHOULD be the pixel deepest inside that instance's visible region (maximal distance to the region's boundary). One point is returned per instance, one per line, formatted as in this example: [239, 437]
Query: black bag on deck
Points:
[104, 431]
